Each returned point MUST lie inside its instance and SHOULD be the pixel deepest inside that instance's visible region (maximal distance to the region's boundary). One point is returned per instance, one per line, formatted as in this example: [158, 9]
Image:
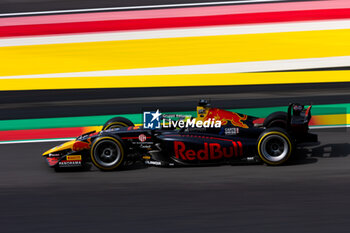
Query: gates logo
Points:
[211, 151]
[151, 120]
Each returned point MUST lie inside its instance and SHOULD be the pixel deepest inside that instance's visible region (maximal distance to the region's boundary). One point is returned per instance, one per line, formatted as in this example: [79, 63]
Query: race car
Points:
[238, 138]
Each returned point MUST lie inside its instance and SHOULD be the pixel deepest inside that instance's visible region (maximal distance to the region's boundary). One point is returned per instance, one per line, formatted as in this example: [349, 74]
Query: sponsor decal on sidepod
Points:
[80, 145]
[226, 116]
[211, 151]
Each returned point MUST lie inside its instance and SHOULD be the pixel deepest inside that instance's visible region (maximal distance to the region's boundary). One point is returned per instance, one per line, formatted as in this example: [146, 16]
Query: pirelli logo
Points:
[73, 158]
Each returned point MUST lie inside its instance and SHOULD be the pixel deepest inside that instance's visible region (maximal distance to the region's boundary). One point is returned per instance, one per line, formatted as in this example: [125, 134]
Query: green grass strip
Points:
[82, 121]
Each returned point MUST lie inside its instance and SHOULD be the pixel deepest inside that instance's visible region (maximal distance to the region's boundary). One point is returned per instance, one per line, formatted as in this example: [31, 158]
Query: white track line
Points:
[38, 140]
[238, 67]
[329, 126]
[138, 7]
[178, 33]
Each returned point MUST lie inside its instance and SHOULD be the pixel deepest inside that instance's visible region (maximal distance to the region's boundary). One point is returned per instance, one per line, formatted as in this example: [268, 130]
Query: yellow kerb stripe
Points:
[176, 80]
[94, 56]
[335, 119]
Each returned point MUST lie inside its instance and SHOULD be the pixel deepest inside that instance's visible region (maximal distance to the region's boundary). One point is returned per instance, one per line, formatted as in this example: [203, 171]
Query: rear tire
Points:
[276, 119]
[117, 122]
[107, 153]
[275, 146]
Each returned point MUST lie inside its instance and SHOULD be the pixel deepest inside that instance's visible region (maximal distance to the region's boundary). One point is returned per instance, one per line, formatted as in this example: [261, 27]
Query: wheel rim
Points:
[107, 153]
[274, 148]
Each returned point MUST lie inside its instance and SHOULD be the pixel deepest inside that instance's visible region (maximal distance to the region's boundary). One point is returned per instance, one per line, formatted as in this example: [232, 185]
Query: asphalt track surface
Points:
[311, 194]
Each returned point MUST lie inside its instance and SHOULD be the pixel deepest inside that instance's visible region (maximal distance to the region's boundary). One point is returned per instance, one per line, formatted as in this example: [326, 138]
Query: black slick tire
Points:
[275, 146]
[276, 119]
[117, 122]
[107, 153]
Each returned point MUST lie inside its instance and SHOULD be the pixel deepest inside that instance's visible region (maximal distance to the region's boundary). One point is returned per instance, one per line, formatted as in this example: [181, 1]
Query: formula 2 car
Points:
[240, 138]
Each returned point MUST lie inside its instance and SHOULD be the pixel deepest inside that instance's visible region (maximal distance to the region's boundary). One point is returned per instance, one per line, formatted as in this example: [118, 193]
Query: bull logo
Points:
[226, 116]
[79, 145]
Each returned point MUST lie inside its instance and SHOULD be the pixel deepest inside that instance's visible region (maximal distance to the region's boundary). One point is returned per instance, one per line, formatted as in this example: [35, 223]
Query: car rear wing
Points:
[298, 115]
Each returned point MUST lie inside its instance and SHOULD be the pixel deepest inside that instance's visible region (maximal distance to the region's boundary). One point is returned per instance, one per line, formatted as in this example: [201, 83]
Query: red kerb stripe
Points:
[137, 24]
[40, 134]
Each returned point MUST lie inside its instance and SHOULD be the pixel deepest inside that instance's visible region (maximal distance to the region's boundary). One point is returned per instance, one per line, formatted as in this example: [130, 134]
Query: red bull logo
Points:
[226, 116]
[52, 161]
[211, 151]
[79, 145]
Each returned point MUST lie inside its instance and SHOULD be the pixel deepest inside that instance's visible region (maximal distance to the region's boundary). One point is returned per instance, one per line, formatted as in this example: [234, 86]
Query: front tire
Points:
[117, 122]
[275, 146]
[107, 153]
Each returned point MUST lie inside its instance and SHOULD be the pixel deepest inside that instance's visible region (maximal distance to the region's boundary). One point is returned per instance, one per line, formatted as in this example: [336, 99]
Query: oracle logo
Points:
[211, 151]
